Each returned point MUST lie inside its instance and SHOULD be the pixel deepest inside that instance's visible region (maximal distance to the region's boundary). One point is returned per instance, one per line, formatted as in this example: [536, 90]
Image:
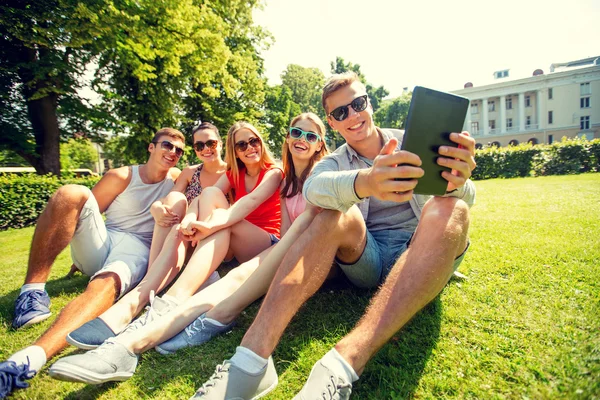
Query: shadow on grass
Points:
[55, 287]
[90, 391]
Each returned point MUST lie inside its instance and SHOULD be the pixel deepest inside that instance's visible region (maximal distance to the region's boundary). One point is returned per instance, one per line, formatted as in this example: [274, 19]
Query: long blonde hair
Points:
[234, 164]
[293, 185]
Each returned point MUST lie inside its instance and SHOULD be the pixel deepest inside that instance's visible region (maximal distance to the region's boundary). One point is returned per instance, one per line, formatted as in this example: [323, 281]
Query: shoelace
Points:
[341, 389]
[217, 375]
[145, 318]
[13, 376]
[195, 326]
[29, 300]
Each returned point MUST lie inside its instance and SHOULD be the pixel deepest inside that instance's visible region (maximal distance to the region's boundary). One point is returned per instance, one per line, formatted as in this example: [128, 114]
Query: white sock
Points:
[248, 360]
[211, 279]
[335, 362]
[34, 354]
[213, 321]
[32, 286]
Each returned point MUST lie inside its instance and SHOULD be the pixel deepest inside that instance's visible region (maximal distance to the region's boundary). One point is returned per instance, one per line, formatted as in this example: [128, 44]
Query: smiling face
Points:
[252, 154]
[300, 149]
[159, 153]
[207, 154]
[358, 126]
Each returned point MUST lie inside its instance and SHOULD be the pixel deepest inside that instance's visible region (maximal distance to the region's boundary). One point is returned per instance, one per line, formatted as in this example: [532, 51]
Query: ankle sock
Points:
[248, 361]
[214, 322]
[35, 355]
[334, 361]
[32, 286]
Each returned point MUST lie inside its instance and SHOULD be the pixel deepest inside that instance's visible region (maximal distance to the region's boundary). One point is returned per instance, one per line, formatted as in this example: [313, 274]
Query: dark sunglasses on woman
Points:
[310, 137]
[166, 145]
[211, 144]
[242, 146]
[358, 104]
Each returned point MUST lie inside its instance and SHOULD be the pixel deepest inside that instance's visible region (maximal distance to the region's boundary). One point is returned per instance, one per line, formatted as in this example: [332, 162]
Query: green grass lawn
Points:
[525, 323]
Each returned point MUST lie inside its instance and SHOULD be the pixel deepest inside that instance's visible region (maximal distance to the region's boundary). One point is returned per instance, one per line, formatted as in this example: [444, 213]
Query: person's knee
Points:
[70, 196]
[177, 201]
[105, 285]
[454, 211]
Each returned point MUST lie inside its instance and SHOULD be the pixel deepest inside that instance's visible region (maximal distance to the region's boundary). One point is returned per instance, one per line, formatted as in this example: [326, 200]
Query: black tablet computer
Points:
[432, 116]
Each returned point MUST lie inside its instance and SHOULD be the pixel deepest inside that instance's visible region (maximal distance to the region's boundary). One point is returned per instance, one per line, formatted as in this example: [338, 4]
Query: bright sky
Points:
[441, 44]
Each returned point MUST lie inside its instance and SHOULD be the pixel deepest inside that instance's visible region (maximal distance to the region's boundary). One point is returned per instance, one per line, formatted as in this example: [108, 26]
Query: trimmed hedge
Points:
[23, 198]
[569, 156]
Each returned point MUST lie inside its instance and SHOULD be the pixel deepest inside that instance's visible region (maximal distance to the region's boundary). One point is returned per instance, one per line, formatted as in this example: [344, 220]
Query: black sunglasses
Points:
[166, 145]
[243, 146]
[358, 104]
[211, 144]
[311, 137]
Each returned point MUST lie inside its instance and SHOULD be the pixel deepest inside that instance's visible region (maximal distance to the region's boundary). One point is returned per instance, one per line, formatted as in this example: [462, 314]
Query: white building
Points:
[539, 109]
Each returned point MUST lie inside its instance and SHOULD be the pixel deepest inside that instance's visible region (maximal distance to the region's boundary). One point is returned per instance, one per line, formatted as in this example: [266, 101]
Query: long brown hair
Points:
[234, 164]
[293, 185]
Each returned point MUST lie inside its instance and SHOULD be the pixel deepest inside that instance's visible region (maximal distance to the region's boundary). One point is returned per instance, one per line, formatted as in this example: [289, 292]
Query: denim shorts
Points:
[274, 239]
[382, 250]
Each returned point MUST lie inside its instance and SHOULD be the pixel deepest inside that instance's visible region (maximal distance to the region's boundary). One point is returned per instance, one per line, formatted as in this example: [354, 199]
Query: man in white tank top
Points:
[114, 253]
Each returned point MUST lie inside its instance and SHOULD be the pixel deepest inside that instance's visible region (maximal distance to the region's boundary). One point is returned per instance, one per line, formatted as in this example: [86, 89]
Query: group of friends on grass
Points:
[290, 228]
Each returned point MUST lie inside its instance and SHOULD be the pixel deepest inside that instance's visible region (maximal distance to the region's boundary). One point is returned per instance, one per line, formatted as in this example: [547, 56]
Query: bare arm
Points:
[112, 184]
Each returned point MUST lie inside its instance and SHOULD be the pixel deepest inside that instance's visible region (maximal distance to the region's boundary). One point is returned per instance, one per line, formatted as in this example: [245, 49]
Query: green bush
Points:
[569, 156]
[23, 198]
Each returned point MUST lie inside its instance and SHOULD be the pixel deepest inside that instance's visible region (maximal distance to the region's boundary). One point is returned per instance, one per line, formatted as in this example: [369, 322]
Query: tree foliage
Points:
[78, 153]
[393, 112]
[376, 94]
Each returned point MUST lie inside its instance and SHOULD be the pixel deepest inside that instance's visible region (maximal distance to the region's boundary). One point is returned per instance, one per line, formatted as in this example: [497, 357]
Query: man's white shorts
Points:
[96, 250]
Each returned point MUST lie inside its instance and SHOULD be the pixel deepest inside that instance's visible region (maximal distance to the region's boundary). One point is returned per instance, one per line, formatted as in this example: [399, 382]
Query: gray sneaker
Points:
[196, 333]
[111, 361]
[230, 382]
[322, 383]
[158, 307]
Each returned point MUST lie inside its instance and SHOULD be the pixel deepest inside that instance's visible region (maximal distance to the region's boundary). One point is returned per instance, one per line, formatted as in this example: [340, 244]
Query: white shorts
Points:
[96, 251]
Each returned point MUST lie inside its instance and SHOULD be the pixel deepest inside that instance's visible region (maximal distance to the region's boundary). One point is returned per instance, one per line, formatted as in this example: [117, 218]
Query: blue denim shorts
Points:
[274, 239]
[382, 250]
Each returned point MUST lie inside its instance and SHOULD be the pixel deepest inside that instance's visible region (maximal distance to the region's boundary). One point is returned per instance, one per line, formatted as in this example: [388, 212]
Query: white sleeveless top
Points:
[130, 211]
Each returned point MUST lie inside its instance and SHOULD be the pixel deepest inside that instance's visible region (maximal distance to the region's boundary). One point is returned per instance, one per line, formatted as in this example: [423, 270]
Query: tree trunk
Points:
[42, 114]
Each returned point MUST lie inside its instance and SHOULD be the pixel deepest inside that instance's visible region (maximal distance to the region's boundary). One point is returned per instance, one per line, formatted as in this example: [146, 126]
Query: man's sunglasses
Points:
[211, 144]
[166, 145]
[242, 146]
[358, 104]
[310, 137]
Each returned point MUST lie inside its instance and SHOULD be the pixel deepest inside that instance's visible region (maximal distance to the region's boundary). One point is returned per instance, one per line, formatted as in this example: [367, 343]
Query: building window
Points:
[501, 74]
[584, 123]
[550, 117]
[550, 94]
[474, 108]
[492, 124]
[474, 128]
[527, 101]
[584, 102]
[527, 121]
[509, 103]
[585, 89]
[509, 123]
[550, 139]
[492, 106]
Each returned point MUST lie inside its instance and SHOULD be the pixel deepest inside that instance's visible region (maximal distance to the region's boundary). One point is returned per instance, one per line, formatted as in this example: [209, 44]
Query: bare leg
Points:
[418, 276]
[99, 295]
[54, 230]
[164, 269]
[303, 270]
[178, 203]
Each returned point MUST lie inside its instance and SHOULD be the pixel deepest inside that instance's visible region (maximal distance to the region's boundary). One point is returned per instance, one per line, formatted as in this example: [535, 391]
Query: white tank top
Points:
[130, 211]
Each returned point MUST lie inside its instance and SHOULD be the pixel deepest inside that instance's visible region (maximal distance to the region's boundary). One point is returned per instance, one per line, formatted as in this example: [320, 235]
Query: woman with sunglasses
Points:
[219, 304]
[168, 251]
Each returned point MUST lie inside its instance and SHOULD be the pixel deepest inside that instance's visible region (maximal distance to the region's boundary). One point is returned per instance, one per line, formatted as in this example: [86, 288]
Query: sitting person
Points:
[162, 270]
[114, 253]
[376, 230]
[219, 304]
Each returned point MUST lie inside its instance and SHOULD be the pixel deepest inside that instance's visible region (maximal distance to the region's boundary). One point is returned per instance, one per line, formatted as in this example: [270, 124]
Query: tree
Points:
[393, 113]
[305, 85]
[78, 153]
[280, 109]
[147, 58]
